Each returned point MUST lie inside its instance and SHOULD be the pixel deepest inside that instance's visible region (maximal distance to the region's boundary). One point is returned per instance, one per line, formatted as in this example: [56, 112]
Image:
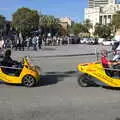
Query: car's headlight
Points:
[34, 68]
[37, 68]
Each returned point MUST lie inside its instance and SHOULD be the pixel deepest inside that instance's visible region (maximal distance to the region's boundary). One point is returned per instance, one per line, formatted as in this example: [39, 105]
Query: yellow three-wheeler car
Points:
[27, 75]
[94, 73]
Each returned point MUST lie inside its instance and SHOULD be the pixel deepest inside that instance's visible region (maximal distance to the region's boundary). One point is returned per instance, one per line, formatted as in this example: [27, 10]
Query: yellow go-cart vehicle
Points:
[24, 73]
[94, 73]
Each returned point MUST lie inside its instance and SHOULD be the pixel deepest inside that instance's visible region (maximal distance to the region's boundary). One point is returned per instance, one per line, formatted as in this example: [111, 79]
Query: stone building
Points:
[102, 14]
[97, 3]
[65, 22]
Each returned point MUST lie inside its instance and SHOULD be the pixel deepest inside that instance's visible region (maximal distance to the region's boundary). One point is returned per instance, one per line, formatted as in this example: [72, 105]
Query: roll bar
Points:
[10, 67]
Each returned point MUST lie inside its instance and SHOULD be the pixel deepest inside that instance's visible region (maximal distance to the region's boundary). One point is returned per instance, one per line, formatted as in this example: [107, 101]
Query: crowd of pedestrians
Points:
[34, 42]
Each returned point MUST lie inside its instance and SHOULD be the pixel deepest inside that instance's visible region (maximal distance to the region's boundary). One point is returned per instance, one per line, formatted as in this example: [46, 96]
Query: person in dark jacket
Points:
[7, 60]
[39, 41]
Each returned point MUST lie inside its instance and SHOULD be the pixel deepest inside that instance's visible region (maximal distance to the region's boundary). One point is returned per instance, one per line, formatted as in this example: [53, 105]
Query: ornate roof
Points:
[111, 8]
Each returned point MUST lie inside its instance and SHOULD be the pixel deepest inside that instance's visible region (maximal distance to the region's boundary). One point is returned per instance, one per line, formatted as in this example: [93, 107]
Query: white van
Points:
[100, 40]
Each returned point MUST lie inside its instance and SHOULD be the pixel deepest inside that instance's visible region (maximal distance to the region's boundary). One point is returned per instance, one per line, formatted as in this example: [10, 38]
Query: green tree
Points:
[116, 21]
[102, 31]
[48, 23]
[70, 30]
[25, 20]
[98, 29]
[77, 28]
[87, 25]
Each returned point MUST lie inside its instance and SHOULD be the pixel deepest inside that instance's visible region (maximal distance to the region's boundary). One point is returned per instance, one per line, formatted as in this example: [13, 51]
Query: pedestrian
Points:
[27, 42]
[1, 43]
[34, 42]
[19, 44]
[23, 45]
[39, 41]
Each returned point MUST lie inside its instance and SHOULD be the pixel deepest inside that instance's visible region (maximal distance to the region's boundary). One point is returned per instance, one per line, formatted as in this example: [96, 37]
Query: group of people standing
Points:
[35, 42]
[18, 43]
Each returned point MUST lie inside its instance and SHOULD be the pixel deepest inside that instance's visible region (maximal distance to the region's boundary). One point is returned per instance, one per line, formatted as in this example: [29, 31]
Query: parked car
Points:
[100, 40]
[84, 40]
[108, 42]
[74, 40]
[115, 45]
[90, 41]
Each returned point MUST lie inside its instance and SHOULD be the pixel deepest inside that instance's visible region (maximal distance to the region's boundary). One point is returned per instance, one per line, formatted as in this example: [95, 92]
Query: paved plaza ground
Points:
[66, 50]
[59, 97]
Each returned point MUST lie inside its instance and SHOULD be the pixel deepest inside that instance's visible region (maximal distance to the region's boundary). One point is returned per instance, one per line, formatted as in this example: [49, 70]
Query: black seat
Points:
[11, 71]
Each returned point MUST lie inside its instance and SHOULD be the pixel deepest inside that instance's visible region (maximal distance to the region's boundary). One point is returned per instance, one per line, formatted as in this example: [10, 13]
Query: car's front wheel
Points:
[28, 81]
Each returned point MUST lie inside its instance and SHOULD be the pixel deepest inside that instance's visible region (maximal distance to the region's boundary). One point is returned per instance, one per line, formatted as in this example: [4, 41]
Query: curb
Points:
[71, 55]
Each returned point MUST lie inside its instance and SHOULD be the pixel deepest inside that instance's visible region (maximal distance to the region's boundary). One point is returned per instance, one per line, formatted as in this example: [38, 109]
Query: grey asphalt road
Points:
[59, 97]
[68, 50]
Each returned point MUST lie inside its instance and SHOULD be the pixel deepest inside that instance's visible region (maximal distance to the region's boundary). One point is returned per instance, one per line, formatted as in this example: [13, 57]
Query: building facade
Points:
[97, 3]
[65, 22]
[100, 3]
[90, 3]
[102, 15]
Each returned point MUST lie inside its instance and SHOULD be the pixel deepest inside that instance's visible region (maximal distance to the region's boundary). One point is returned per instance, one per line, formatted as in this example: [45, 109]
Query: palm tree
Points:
[77, 28]
[48, 23]
[51, 23]
[43, 23]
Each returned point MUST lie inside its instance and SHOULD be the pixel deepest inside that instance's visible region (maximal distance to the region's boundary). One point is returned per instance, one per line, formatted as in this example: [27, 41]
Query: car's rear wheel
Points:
[28, 81]
[83, 80]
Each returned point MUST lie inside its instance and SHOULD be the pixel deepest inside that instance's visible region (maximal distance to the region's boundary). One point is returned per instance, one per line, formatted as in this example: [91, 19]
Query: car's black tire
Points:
[83, 80]
[28, 81]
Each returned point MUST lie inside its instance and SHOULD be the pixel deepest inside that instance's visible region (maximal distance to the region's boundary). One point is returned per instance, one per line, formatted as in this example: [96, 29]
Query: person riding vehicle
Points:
[101, 72]
[109, 64]
[9, 62]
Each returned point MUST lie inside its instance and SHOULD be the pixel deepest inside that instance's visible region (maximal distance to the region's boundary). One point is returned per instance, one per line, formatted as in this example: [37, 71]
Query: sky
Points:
[73, 9]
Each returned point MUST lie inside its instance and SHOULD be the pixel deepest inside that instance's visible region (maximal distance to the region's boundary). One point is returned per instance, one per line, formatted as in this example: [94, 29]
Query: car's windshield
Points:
[109, 54]
[28, 60]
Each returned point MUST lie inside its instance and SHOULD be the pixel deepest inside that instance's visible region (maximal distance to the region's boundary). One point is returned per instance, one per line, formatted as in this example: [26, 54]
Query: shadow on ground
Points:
[48, 49]
[111, 88]
[54, 77]
[118, 118]
[49, 78]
